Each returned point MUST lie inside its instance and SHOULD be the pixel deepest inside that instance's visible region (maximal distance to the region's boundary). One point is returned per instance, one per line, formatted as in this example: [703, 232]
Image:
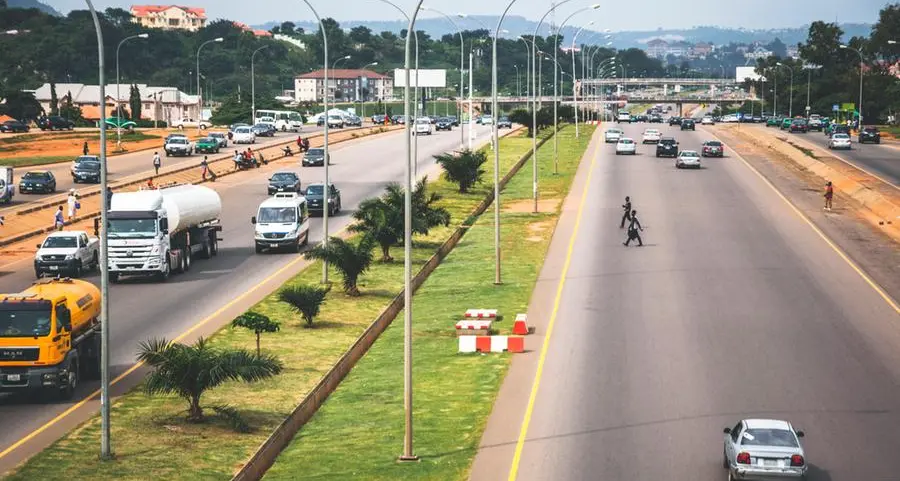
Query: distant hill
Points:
[32, 4]
[436, 27]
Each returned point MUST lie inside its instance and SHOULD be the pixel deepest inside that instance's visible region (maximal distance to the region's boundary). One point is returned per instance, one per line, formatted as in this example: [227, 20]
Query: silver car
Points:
[763, 449]
[687, 158]
[612, 135]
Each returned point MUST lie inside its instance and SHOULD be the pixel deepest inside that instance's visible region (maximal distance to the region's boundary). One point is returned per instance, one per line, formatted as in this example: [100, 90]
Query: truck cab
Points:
[7, 185]
[49, 337]
[281, 221]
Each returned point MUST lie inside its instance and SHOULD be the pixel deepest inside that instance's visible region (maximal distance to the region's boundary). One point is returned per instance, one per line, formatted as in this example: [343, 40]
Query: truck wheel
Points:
[259, 249]
[113, 277]
[68, 391]
[187, 259]
[76, 271]
[95, 262]
[206, 253]
[306, 238]
[214, 244]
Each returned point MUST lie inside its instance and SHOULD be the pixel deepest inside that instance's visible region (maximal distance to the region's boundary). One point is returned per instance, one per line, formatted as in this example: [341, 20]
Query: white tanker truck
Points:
[158, 232]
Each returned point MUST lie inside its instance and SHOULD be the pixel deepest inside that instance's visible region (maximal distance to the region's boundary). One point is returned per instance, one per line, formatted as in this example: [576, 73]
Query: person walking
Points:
[84, 148]
[829, 194]
[157, 162]
[58, 220]
[73, 204]
[627, 214]
[206, 170]
[237, 160]
[633, 230]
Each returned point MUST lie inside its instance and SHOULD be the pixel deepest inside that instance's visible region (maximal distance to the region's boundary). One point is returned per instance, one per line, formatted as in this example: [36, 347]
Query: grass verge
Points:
[151, 438]
[31, 161]
[358, 433]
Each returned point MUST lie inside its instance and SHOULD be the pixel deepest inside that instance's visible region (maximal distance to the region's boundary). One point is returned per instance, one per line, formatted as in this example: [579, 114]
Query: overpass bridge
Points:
[592, 102]
[653, 82]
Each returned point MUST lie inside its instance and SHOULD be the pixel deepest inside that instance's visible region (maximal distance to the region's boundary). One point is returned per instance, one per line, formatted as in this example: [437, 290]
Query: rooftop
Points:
[145, 10]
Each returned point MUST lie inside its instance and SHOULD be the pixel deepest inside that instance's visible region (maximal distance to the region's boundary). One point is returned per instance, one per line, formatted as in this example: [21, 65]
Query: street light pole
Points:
[363, 103]
[199, 93]
[253, 85]
[105, 450]
[462, 66]
[415, 142]
[118, 95]
[518, 90]
[791, 93]
[574, 89]
[324, 135]
[861, 62]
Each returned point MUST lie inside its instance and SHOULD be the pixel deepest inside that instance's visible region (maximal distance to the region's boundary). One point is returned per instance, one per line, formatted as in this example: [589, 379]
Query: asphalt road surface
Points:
[881, 159]
[142, 310]
[122, 166]
[734, 308]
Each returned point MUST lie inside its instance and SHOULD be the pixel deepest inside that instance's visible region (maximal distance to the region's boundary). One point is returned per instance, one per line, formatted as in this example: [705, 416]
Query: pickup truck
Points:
[68, 253]
[190, 123]
[179, 146]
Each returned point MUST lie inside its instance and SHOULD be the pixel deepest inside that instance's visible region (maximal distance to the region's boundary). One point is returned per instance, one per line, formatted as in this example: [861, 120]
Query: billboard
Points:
[426, 78]
[744, 73]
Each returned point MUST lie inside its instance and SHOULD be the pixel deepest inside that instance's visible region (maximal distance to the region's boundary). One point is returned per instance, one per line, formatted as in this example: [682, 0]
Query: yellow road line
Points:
[520, 444]
[874, 285]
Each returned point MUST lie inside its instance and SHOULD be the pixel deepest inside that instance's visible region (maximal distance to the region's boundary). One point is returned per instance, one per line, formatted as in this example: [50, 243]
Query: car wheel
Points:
[114, 278]
[37, 273]
[724, 460]
[258, 249]
[76, 271]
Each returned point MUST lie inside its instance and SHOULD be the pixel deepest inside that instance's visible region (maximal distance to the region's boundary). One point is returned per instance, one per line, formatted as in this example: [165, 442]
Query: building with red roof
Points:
[169, 17]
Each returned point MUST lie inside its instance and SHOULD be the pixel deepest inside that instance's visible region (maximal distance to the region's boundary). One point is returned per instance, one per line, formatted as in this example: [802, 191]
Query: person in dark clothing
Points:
[109, 194]
[627, 214]
[829, 195]
[84, 148]
[634, 230]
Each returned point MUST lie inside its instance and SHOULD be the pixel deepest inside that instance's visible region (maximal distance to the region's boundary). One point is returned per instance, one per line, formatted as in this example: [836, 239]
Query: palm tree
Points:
[426, 214]
[256, 322]
[305, 300]
[350, 260]
[190, 370]
[383, 221]
[463, 168]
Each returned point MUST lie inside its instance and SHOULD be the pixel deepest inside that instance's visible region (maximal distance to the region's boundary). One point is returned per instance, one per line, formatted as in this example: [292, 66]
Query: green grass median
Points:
[358, 433]
[150, 436]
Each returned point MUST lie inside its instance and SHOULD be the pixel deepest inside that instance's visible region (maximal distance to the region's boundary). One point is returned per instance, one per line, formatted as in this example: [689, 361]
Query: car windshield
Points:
[25, 322]
[132, 228]
[626, 141]
[315, 152]
[208, 140]
[315, 190]
[714, 143]
[781, 438]
[178, 140]
[261, 126]
[284, 177]
[217, 135]
[242, 130]
[277, 215]
[35, 176]
[60, 241]
[334, 117]
[840, 136]
[667, 141]
[88, 166]
[688, 153]
[423, 121]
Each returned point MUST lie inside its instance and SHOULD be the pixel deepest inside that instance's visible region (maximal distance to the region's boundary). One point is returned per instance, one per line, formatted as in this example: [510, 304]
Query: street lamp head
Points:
[218, 39]
[591, 22]
[595, 6]
[892, 42]
[461, 15]
[143, 35]
[346, 57]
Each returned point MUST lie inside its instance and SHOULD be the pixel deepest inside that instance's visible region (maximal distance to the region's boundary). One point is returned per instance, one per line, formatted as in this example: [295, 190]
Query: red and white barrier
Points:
[474, 327]
[520, 327]
[491, 344]
[481, 313]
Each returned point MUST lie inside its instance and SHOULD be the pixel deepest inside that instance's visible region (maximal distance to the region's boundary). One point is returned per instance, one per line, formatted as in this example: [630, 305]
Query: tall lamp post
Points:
[462, 65]
[861, 62]
[471, 76]
[199, 93]
[118, 95]
[574, 88]
[791, 93]
[253, 84]
[105, 450]
[363, 103]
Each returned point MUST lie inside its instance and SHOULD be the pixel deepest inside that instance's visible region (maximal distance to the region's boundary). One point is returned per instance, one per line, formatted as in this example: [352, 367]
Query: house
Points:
[702, 49]
[657, 48]
[158, 103]
[169, 17]
[758, 53]
[257, 32]
[343, 85]
[678, 49]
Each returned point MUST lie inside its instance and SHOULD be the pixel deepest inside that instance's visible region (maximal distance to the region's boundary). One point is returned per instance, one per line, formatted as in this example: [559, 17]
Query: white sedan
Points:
[243, 135]
[839, 141]
[612, 135]
[707, 121]
[764, 449]
[625, 146]
[687, 158]
[651, 136]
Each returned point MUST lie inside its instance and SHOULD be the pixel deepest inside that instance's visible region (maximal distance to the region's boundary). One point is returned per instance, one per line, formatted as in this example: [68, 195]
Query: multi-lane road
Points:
[735, 307]
[142, 310]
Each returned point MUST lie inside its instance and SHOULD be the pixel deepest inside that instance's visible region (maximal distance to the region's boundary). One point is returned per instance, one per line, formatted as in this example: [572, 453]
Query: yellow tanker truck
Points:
[49, 337]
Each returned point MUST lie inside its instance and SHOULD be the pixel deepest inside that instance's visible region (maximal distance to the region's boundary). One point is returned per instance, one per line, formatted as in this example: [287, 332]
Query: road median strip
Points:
[151, 433]
[27, 224]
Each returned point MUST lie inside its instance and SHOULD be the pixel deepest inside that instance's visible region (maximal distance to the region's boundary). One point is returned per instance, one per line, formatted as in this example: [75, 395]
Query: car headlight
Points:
[154, 250]
[70, 257]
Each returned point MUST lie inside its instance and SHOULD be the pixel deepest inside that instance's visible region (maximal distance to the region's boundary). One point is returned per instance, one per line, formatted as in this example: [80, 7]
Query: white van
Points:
[282, 221]
[7, 187]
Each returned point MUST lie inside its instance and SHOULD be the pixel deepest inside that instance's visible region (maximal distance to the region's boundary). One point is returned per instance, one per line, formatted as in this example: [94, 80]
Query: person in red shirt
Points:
[829, 194]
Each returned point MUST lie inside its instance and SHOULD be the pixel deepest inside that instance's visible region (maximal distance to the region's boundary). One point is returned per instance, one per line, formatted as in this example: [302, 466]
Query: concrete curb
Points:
[25, 235]
[268, 452]
[884, 208]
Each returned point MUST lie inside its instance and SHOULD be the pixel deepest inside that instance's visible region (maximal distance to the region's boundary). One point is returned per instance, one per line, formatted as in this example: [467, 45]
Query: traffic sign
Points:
[835, 108]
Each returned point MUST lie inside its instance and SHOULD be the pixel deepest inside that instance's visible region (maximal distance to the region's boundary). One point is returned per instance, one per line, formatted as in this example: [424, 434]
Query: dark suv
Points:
[443, 123]
[667, 147]
[869, 134]
[55, 122]
[674, 121]
[688, 124]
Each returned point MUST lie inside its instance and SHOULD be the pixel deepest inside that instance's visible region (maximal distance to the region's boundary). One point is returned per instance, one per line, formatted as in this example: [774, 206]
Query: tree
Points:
[54, 100]
[887, 28]
[463, 169]
[777, 47]
[256, 322]
[305, 300]
[380, 220]
[425, 212]
[20, 105]
[287, 28]
[350, 260]
[69, 110]
[134, 103]
[188, 371]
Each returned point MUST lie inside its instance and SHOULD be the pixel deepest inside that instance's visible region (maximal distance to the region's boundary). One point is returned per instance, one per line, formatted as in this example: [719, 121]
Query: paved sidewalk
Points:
[495, 452]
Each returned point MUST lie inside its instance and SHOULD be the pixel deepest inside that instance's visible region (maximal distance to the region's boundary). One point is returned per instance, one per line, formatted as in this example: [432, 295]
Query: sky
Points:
[615, 15]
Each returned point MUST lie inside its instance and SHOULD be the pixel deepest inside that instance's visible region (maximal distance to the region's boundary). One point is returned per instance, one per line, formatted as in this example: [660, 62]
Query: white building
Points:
[169, 17]
[343, 85]
[158, 103]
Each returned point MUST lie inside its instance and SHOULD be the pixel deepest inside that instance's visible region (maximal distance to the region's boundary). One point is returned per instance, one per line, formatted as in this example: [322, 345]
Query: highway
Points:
[142, 310]
[735, 307]
[122, 166]
[882, 159]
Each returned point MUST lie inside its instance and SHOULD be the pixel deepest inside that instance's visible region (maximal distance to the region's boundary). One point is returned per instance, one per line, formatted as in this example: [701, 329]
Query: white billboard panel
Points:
[746, 73]
[436, 78]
